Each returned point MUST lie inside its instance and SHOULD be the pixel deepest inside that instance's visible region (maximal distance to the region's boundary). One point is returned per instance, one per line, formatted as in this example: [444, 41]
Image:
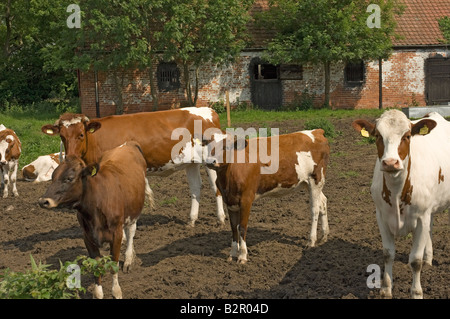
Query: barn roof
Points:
[417, 26]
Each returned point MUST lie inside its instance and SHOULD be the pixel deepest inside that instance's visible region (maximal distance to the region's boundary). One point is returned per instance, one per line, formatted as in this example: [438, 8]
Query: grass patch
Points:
[239, 118]
[28, 129]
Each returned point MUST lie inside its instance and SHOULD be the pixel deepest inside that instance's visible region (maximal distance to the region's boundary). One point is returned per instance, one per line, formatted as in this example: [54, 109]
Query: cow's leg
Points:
[130, 231]
[195, 183]
[421, 238]
[14, 178]
[94, 252]
[245, 208]
[388, 255]
[115, 252]
[219, 201]
[5, 180]
[318, 203]
[234, 214]
[323, 214]
[428, 253]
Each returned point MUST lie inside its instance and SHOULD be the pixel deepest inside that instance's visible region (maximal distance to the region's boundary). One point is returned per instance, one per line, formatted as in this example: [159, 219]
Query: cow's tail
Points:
[149, 193]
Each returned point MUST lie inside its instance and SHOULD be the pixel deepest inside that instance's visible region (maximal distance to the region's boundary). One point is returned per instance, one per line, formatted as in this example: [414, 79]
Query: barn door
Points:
[437, 80]
[266, 89]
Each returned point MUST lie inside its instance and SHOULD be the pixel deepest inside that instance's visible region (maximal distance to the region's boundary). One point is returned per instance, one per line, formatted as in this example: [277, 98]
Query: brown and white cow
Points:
[153, 130]
[109, 197]
[410, 183]
[302, 160]
[41, 169]
[10, 150]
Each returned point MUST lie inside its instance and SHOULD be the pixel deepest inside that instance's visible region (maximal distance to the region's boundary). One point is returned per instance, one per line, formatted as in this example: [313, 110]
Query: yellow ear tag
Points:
[91, 130]
[49, 131]
[364, 132]
[94, 171]
[424, 130]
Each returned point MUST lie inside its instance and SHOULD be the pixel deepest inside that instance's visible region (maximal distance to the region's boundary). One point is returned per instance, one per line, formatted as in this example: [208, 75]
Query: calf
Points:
[10, 149]
[410, 183]
[41, 169]
[303, 158]
[109, 197]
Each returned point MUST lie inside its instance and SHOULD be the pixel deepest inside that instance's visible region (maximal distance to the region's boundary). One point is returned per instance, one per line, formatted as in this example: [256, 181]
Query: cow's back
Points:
[152, 130]
[118, 184]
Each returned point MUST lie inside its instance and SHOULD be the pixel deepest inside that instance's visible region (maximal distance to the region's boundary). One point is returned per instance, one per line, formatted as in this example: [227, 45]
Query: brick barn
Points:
[417, 73]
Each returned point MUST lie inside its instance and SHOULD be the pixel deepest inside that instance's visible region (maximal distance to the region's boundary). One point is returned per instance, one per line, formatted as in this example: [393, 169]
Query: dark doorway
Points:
[437, 80]
[266, 91]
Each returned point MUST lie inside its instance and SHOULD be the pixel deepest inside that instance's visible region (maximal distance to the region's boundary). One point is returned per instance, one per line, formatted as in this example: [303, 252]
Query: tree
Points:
[115, 35]
[196, 32]
[23, 33]
[327, 31]
[444, 25]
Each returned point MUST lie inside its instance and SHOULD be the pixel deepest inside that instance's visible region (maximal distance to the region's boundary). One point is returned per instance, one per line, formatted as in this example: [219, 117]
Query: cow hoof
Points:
[242, 261]
[191, 224]
[117, 292]
[98, 292]
[126, 267]
[230, 259]
[386, 293]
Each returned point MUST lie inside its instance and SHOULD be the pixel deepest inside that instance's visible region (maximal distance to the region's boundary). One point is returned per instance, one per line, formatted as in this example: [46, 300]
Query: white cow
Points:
[411, 181]
[41, 169]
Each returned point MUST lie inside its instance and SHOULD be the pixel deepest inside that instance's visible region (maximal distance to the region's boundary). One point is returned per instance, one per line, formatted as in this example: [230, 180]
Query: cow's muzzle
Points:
[391, 165]
[47, 203]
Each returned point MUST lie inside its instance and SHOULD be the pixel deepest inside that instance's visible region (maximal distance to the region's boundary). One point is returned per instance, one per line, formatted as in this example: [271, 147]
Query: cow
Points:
[154, 132]
[108, 196]
[410, 183]
[303, 158]
[10, 150]
[41, 169]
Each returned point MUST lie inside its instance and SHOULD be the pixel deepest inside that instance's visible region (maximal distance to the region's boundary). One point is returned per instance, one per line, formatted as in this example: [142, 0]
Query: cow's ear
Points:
[91, 170]
[93, 126]
[423, 127]
[364, 127]
[50, 129]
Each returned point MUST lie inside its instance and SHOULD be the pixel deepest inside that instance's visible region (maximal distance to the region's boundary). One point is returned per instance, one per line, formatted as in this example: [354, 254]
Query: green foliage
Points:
[326, 31]
[40, 282]
[444, 25]
[219, 107]
[24, 32]
[322, 123]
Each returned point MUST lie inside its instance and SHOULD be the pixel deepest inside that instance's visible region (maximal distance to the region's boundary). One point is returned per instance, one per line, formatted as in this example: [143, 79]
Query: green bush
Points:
[322, 123]
[43, 283]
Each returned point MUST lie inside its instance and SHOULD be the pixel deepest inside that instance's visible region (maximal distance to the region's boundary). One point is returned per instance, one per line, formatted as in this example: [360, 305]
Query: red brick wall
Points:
[403, 85]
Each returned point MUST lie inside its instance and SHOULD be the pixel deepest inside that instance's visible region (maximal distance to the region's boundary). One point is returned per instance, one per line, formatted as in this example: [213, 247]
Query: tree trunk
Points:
[153, 92]
[187, 84]
[327, 65]
[6, 49]
[118, 85]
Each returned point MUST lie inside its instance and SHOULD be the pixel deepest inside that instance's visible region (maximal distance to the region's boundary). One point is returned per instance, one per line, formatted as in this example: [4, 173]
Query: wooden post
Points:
[380, 83]
[227, 94]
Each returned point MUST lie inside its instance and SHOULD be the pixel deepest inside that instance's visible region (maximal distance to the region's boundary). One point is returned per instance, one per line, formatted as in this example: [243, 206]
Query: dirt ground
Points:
[176, 261]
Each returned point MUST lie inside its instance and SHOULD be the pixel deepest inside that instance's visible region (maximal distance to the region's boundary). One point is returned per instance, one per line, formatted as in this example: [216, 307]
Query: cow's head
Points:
[74, 130]
[7, 142]
[221, 149]
[393, 132]
[66, 188]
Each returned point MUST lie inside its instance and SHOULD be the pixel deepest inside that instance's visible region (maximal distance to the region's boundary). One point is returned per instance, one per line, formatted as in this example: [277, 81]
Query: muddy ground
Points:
[175, 261]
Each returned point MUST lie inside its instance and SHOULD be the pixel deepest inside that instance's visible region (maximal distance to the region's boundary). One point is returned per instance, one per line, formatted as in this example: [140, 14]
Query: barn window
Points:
[168, 76]
[265, 72]
[354, 72]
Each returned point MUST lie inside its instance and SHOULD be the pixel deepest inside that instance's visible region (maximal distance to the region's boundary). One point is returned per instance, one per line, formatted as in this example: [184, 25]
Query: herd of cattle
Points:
[117, 153]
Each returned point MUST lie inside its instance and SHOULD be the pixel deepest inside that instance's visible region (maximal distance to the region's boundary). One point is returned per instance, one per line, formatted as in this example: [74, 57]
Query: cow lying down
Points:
[41, 169]
[109, 197]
